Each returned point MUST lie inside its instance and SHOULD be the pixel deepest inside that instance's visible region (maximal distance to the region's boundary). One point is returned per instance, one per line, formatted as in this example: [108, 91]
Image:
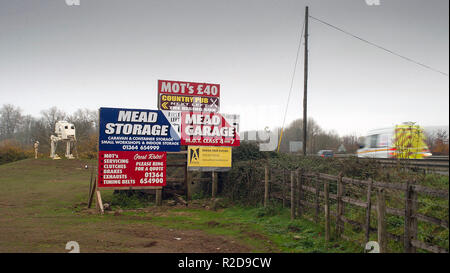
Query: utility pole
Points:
[305, 88]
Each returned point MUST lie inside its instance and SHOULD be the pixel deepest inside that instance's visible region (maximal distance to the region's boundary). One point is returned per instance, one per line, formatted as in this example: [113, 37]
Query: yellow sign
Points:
[209, 156]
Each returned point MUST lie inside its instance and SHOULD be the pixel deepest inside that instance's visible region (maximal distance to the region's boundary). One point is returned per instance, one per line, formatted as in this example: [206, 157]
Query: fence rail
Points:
[323, 188]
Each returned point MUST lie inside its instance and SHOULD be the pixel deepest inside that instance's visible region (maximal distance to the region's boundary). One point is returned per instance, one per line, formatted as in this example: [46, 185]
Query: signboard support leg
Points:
[214, 185]
[158, 197]
[189, 186]
[187, 180]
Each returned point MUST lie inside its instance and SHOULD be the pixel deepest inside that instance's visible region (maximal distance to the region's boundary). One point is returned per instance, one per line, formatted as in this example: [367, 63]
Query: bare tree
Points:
[318, 139]
[441, 142]
[85, 122]
[26, 130]
[50, 117]
[10, 118]
[351, 143]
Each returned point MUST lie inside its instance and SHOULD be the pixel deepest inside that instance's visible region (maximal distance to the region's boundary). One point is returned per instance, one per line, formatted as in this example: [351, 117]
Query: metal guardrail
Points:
[436, 163]
[432, 158]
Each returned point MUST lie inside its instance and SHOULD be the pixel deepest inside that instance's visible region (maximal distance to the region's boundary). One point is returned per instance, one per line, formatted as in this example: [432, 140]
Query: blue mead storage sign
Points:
[137, 130]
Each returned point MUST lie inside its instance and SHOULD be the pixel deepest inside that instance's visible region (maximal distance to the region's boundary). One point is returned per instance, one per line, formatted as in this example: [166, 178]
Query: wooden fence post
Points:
[300, 192]
[381, 209]
[266, 185]
[327, 212]
[410, 220]
[283, 188]
[214, 184]
[92, 191]
[368, 210]
[406, 236]
[316, 201]
[296, 193]
[414, 209]
[339, 213]
[292, 196]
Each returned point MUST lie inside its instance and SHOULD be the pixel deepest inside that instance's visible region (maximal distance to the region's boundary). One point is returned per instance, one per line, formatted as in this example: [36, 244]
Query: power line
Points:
[292, 83]
[380, 47]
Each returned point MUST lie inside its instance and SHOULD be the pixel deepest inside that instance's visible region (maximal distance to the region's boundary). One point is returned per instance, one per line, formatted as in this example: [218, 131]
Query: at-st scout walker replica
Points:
[65, 132]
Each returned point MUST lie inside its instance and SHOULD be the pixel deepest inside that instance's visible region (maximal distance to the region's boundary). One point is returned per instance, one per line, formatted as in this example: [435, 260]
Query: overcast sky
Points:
[111, 53]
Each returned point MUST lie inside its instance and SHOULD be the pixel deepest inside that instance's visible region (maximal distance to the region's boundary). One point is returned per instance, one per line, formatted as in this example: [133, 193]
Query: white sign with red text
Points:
[188, 88]
[209, 129]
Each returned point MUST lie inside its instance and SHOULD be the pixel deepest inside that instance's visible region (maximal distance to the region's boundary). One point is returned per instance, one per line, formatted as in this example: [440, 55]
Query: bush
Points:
[87, 147]
[268, 211]
[11, 151]
[129, 199]
[249, 151]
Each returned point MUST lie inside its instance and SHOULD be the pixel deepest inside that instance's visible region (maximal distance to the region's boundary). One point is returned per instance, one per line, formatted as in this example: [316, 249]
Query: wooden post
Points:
[99, 202]
[414, 209]
[283, 189]
[292, 196]
[266, 185]
[327, 212]
[300, 192]
[90, 181]
[189, 186]
[368, 210]
[92, 191]
[339, 213]
[158, 199]
[297, 200]
[406, 235]
[316, 200]
[410, 231]
[305, 86]
[214, 185]
[186, 180]
[381, 209]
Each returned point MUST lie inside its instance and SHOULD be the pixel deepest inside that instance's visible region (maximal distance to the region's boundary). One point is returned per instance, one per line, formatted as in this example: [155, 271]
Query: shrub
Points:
[268, 211]
[129, 199]
[11, 151]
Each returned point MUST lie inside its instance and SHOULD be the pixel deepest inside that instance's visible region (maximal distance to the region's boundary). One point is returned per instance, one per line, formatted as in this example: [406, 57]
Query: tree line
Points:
[320, 139]
[19, 131]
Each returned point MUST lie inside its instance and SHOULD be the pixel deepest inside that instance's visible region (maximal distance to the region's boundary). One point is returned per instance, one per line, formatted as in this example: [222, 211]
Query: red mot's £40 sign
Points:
[188, 88]
[131, 169]
[209, 129]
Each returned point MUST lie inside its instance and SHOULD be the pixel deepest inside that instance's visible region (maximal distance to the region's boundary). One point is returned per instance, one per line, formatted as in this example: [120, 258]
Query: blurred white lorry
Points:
[406, 140]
